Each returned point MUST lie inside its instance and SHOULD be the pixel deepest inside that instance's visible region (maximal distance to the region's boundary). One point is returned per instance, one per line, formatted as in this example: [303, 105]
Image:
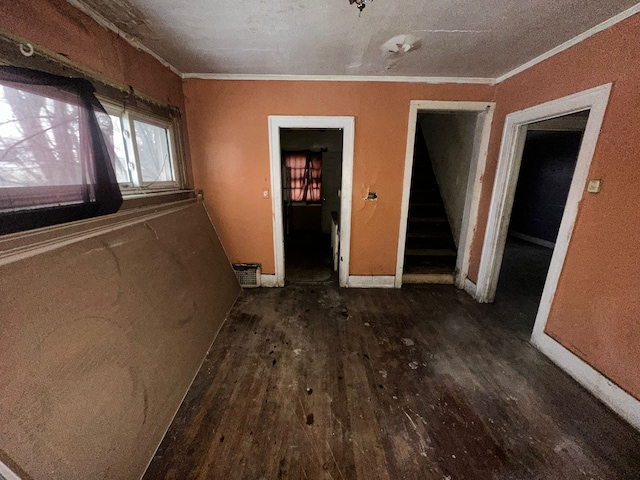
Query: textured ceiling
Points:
[441, 38]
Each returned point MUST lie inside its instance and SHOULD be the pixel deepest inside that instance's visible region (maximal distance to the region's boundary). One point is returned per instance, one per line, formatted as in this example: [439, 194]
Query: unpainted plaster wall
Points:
[597, 306]
[101, 340]
[450, 138]
[229, 138]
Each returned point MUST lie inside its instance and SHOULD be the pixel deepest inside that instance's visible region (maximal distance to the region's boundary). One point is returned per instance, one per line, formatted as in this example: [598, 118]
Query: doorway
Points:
[593, 101]
[311, 181]
[299, 210]
[549, 158]
[447, 146]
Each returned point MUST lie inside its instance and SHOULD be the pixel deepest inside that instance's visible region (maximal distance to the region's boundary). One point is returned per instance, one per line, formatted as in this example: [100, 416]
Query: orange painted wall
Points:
[61, 28]
[596, 311]
[228, 135]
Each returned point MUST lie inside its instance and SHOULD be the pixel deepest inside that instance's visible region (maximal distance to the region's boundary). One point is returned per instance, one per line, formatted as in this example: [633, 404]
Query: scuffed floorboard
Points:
[420, 383]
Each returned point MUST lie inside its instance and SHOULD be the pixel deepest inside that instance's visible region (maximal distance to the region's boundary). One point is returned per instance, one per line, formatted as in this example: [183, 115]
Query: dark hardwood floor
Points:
[314, 382]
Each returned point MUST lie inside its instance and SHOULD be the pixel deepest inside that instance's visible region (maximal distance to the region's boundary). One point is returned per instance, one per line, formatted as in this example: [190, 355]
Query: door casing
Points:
[347, 125]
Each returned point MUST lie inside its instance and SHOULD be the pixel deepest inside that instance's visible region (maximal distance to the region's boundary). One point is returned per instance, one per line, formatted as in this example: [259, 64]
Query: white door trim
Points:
[513, 138]
[515, 129]
[474, 185]
[347, 124]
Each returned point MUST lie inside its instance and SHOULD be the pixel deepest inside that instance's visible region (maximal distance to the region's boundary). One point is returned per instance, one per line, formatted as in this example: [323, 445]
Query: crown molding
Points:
[100, 20]
[340, 78]
[570, 43]
[354, 78]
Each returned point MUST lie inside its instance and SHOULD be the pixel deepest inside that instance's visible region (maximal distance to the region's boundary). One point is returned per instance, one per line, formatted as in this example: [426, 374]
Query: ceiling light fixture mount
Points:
[360, 4]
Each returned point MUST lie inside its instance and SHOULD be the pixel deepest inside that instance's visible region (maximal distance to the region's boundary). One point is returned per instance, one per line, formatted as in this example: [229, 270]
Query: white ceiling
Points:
[446, 38]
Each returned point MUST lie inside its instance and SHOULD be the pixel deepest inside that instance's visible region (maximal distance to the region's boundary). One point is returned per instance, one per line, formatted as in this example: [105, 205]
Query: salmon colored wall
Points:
[61, 28]
[229, 139]
[596, 310]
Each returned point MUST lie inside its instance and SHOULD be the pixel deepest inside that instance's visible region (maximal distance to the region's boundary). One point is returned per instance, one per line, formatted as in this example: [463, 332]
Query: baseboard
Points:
[268, 281]
[371, 281]
[621, 402]
[470, 287]
[530, 239]
[7, 473]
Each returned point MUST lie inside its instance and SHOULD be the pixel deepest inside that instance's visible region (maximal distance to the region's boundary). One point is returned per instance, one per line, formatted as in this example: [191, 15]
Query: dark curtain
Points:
[56, 151]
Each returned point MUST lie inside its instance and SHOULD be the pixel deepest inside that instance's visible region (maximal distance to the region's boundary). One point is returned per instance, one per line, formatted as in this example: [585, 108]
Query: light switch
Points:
[265, 194]
[594, 186]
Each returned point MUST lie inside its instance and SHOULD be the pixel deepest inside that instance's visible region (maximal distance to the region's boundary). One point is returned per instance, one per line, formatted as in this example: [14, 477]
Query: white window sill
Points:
[136, 199]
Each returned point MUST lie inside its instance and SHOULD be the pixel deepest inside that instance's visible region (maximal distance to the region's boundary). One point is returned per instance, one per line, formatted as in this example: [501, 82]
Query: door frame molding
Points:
[514, 135]
[596, 100]
[485, 112]
[347, 125]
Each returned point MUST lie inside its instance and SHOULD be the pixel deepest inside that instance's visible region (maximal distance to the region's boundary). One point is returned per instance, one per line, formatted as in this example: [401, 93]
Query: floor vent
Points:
[248, 274]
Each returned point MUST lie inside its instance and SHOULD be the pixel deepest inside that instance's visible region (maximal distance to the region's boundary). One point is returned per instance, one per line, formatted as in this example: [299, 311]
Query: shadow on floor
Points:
[308, 259]
[522, 277]
[418, 383]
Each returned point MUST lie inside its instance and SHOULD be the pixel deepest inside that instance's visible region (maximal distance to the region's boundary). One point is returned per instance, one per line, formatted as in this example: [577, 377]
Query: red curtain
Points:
[304, 174]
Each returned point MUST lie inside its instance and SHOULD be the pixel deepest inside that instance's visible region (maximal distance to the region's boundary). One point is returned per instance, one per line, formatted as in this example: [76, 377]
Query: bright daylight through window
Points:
[144, 150]
[55, 160]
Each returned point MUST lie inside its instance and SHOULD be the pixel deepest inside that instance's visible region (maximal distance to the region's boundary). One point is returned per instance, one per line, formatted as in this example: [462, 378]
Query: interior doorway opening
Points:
[446, 153]
[441, 164]
[342, 244]
[548, 162]
[311, 186]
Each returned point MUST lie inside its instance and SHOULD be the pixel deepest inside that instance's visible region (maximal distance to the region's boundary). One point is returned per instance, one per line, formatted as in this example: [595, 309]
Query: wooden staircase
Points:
[430, 251]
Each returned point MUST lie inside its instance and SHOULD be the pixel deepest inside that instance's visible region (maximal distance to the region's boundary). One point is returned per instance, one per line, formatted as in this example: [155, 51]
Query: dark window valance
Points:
[56, 154]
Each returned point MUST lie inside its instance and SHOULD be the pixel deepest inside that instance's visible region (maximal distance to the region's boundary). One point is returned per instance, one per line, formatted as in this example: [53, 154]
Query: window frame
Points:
[128, 115]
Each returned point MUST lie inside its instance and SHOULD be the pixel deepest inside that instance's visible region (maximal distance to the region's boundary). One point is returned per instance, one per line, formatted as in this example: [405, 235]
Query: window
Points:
[304, 176]
[144, 148]
[55, 162]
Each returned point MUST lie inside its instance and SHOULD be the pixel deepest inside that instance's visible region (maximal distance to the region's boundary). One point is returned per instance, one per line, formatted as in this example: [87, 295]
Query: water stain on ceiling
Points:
[125, 16]
[438, 38]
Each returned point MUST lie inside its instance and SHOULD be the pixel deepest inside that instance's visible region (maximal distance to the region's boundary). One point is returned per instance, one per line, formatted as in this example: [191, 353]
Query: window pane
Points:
[154, 153]
[55, 157]
[39, 140]
[121, 165]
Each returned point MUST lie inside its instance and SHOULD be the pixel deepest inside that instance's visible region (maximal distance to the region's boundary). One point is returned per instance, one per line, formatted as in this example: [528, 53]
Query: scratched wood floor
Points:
[419, 383]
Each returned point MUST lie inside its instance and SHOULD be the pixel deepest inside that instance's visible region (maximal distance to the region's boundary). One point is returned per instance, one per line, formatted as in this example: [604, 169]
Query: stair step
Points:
[428, 219]
[429, 278]
[431, 252]
[428, 228]
[425, 190]
[433, 243]
[424, 179]
[427, 212]
[428, 235]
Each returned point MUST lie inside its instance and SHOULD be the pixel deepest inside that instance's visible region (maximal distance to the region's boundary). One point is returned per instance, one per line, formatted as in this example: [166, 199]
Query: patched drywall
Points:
[450, 138]
[101, 339]
[596, 307]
